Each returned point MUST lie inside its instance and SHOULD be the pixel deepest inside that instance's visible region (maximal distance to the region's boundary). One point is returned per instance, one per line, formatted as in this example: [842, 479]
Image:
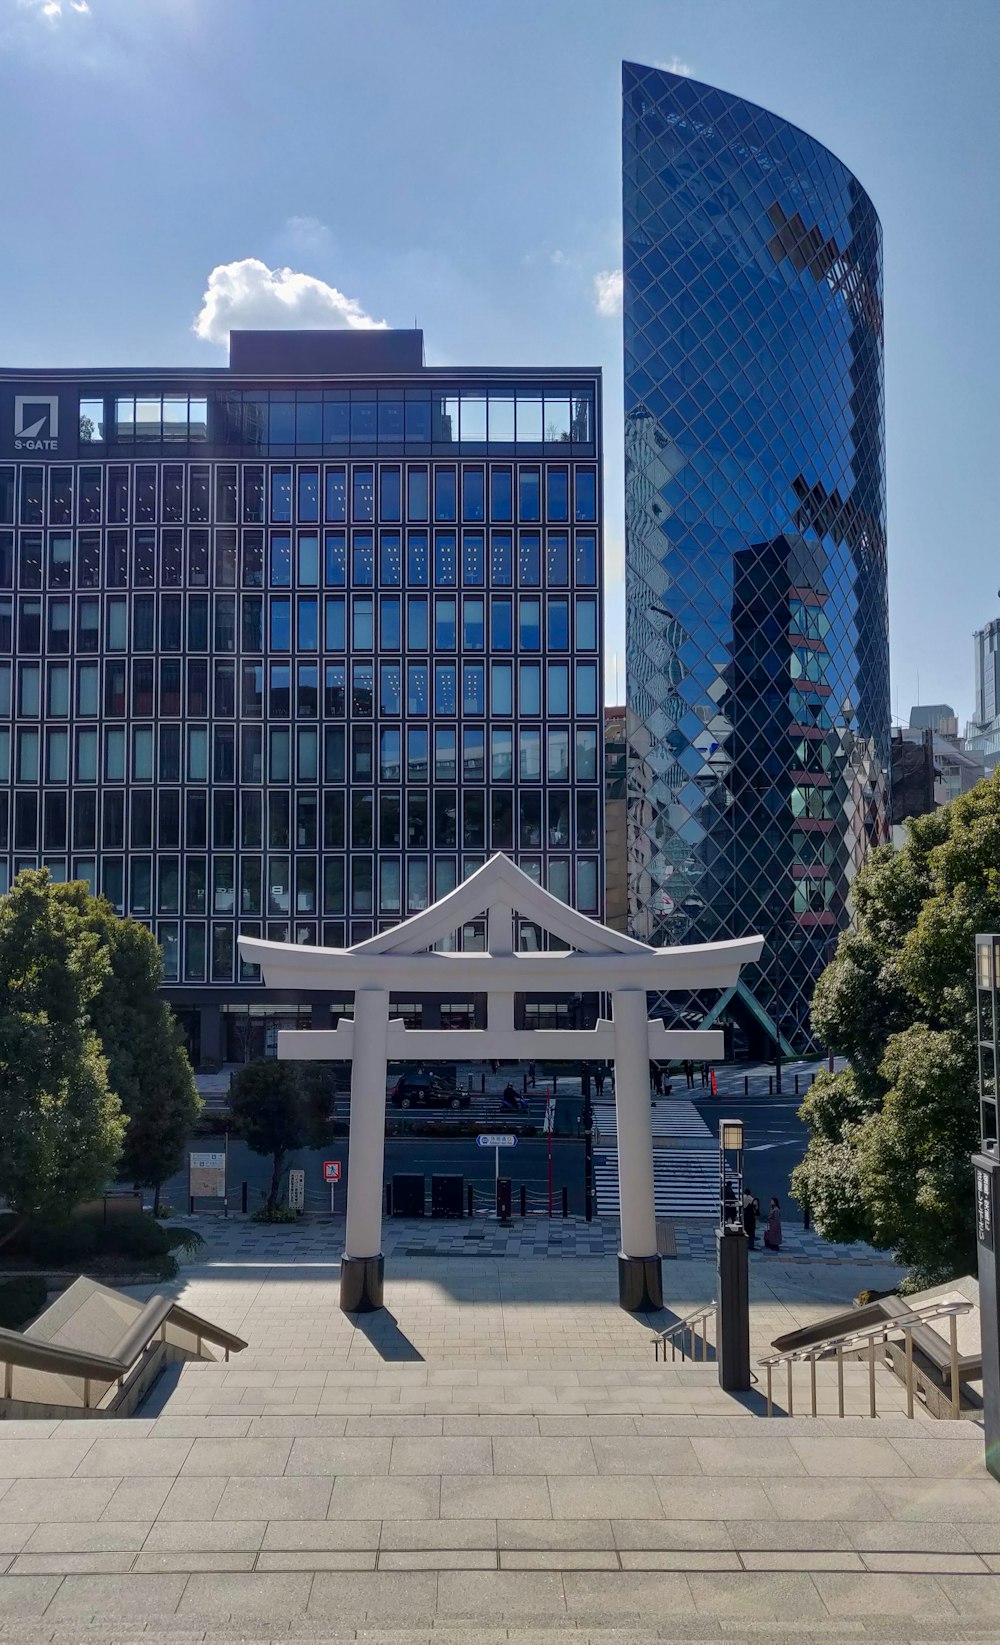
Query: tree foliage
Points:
[891, 1137]
[61, 1124]
[147, 1060]
[277, 1107]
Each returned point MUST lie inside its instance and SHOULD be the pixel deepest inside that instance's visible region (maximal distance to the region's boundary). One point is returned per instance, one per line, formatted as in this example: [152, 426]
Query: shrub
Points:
[274, 1213]
[187, 1240]
[21, 1299]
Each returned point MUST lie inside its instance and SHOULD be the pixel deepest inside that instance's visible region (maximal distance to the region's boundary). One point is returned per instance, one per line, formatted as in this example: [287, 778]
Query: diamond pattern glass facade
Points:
[757, 635]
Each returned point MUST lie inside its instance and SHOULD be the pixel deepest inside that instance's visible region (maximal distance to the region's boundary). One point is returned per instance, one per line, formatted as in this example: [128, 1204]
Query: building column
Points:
[640, 1284]
[362, 1266]
[212, 1048]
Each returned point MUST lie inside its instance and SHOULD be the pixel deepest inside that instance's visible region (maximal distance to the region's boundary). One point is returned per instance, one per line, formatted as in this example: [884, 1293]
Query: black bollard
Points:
[243, 1199]
[524, 1200]
[565, 1201]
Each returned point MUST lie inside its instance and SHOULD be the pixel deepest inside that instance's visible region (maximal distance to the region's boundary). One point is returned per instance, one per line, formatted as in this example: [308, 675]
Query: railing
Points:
[155, 1321]
[863, 1343]
[675, 1336]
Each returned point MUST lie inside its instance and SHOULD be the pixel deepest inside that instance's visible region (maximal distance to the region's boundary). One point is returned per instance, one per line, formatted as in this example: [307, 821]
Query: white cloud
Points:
[53, 11]
[307, 234]
[248, 295]
[675, 66]
[608, 293]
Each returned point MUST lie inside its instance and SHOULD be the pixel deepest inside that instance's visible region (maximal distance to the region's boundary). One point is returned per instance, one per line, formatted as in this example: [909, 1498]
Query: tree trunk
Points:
[156, 1200]
[276, 1164]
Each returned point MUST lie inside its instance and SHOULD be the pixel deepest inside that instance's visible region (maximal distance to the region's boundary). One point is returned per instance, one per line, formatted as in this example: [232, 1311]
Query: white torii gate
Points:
[403, 960]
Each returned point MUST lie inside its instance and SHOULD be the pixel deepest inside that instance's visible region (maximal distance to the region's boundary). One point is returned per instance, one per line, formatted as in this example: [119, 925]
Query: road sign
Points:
[331, 1170]
[490, 1139]
[296, 1190]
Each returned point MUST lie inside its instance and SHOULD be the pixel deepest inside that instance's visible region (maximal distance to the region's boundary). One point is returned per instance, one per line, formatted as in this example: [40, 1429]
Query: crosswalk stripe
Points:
[685, 1183]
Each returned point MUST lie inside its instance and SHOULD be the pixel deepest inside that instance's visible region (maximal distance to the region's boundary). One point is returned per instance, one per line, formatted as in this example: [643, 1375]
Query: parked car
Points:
[423, 1090]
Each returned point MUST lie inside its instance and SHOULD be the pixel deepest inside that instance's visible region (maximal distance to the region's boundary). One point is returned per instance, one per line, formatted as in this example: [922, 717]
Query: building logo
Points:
[36, 422]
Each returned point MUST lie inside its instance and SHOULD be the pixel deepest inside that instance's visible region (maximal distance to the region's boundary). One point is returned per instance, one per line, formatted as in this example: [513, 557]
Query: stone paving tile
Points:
[321, 1535]
[26, 1596]
[64, 1564]
[868, 1596]
[269, 1596]
[661, 1535]
[793, 1559]
[759, 1594]
[679, 1559]
[604, 1497]
[368, 1457]
[866, 1458]
[764, 1454]
[115, 1598]
[471, 1496]
[151, 1562]
[649, 1454]
[391, 1599]
[542, 1456]
[411, 1496]
[56, 1458]
[56, 1499]
[442, 1559]
[945, 1499]
[14, 1537]
[274, 1498]
[837, 1499]
[933, 1562]
[194, 1499]
[501, 1595]
[205, 1536]
[710, 1498]
[103, 1536]
[228, 1457]
[446, 1456]
[792, 1535]
[594, 1596]
[442, 1534]
[133, 1458]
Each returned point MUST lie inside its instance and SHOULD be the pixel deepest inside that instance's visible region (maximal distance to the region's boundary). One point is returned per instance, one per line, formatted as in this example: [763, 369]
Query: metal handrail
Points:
[675, 1334]
[34, 1353]
[863, 1341]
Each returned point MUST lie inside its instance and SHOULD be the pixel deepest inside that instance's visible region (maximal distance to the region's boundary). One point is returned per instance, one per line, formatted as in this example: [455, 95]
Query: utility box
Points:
[569, 1116]
[505, 1199]
[408, 1195]
[447, 1194]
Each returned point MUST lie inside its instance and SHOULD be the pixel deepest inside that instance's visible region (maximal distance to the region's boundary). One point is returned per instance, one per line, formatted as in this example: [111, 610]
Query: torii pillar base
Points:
[640, 1284]
[361, 1284]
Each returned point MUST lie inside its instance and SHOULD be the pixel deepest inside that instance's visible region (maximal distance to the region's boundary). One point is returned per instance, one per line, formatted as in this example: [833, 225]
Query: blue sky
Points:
[457, 162]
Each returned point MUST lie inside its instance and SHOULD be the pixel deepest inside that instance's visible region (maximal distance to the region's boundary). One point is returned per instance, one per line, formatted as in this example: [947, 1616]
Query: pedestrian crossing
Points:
[685, 1183]
[685, 1160]
[673, 1119]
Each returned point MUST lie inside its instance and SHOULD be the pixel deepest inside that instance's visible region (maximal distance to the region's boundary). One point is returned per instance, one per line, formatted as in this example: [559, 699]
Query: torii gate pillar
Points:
[362, 1267]
[640, 1279]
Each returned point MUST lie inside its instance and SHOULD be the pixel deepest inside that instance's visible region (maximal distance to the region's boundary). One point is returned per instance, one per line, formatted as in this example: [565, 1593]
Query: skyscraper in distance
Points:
[756, 607]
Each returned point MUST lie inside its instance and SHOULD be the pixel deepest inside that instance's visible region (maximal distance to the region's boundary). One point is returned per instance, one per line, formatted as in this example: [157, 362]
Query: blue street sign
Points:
[491, 1140]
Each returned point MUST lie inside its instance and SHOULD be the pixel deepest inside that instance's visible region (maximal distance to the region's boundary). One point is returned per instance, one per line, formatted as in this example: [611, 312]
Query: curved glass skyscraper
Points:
[758, 676]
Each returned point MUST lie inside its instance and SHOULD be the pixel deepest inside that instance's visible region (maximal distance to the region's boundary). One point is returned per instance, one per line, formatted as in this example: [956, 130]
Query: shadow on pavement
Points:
[382, 1331]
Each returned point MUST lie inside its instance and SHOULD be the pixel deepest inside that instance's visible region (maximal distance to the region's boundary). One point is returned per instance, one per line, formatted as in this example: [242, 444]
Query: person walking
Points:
[704, 1073]
[751, 1211]
[772, 1229]
[599, 1079]
[689, 1073]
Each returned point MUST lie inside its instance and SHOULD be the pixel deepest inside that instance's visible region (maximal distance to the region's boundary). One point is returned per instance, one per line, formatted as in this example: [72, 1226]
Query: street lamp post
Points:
[733, 1304]
[986, 1169]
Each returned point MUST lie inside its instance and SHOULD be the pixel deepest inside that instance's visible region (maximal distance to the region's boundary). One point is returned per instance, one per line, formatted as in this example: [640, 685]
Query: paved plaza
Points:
[495, 1457]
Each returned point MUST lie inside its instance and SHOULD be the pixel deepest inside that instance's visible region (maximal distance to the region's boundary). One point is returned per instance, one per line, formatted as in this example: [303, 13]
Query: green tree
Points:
[276, 1108]
[891, 1137]
[61, 1124]
[147, 1061]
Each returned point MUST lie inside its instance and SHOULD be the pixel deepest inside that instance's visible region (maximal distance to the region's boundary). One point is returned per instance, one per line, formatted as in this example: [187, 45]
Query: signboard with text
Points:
[207, 1175]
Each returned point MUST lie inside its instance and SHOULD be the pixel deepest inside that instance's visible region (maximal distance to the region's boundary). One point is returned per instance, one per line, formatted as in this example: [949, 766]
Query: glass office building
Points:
[758, 682]
[288, 648]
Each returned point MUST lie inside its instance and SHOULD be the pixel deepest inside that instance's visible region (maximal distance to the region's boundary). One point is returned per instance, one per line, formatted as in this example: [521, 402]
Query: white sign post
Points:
[496, 1140]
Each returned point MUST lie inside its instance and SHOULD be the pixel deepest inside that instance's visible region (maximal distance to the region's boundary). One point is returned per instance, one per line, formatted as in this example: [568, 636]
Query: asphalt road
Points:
[774, 1140]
